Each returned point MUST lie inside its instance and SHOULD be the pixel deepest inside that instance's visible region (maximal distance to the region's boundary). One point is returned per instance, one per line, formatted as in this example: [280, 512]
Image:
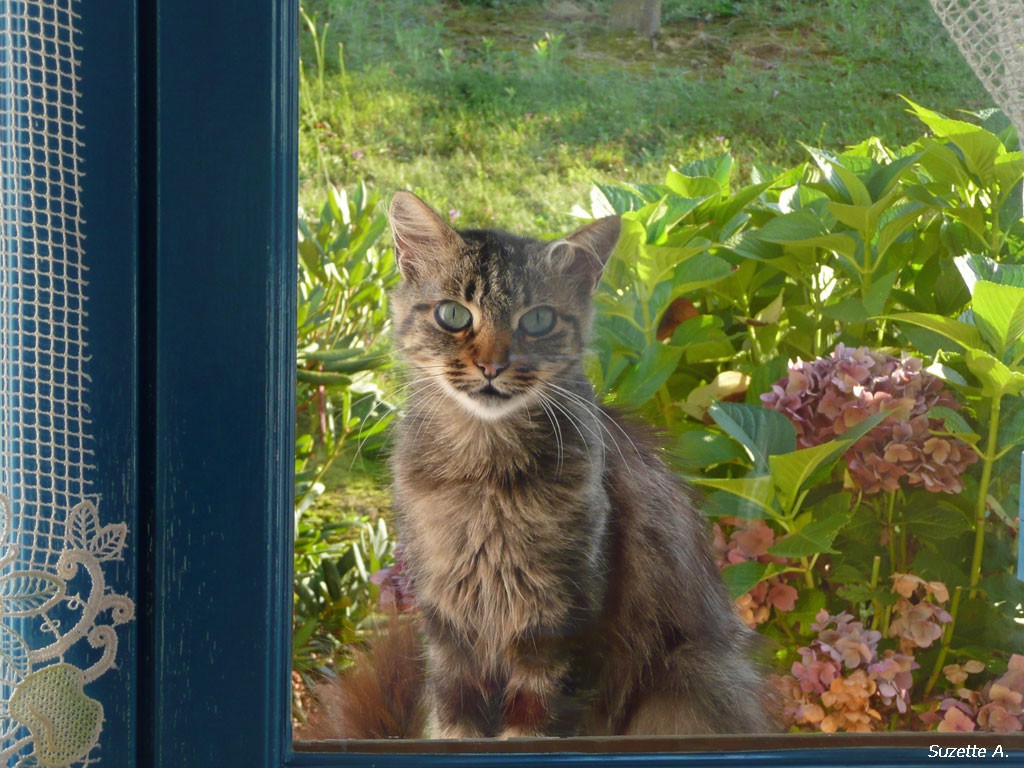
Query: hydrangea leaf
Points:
[791, 472]
[978, 147]
[961, 334]
[759, 491]
[740, 578]
[999, 313]
[844, 182]
[761, 431]
[805, 612]
[996, 379]
[1011, 431]
[703, 339]
[804, 228]
[974, 267]
[983, 624]
[953, 421]
[657, 363]
[935, 523]
[814, 538]
[704, 448]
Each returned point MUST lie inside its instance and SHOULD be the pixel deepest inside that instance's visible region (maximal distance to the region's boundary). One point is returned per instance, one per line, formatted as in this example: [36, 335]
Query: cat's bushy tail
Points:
[380, 696]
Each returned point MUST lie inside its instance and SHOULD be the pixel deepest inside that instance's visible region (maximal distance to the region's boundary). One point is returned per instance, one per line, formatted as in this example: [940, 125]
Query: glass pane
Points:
[810, 291]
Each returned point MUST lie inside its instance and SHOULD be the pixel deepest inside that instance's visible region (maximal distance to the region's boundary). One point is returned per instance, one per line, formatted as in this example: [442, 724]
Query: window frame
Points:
[213, 423]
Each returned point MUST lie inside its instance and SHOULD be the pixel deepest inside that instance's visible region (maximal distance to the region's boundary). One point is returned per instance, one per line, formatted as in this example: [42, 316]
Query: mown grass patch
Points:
[505, 112]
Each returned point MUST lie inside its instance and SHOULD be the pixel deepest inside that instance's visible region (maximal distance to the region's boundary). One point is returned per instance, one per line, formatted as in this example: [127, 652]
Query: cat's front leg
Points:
[459, 694]
[535, 681]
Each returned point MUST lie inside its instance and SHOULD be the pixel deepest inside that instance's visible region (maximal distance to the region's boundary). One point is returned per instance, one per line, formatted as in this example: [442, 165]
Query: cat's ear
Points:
[420, 234]
[585, 252]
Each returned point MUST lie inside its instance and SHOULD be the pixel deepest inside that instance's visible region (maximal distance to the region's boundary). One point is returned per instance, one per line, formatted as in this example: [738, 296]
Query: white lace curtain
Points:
[990, 34]
[57, 613]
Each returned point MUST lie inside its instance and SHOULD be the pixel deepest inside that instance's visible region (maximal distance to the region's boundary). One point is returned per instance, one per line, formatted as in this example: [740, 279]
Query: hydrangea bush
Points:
[836, 350]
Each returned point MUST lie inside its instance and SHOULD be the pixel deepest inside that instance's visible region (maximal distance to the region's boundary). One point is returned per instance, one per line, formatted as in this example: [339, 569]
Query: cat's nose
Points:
[491, 370]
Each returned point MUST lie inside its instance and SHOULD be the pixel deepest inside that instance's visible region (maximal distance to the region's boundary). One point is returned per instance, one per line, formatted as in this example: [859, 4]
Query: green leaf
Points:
[974, 267]
[878, 294]
[805, 228]
[863, 218]
[659, 261]
[703, 339]
[979, 147]
[980, 623]
[842, 180]
[936, 522]
[814, 538]
[962, 334]
[327, 379]
[999, 314]
[894, 228]
[693, 186]
[791, 472]
[759, 491]
[805, 612]
[1005, 589]
[740, 578]
[953, 423]
[657, 363]
[996, 379]
[704, 448]
[607, 199]
[719, 168]
[761, 431]
[1011, 431]
[699, 272]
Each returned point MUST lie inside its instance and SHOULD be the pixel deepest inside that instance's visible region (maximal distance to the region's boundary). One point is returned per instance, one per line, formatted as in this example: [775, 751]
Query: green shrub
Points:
[341, 406]
[876, 485]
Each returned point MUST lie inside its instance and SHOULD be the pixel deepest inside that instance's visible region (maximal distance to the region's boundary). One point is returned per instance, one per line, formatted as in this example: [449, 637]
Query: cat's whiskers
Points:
[599, 414]
[542, 401]
[573, 420]
[388, 435]
[597, 410]
[434, 401]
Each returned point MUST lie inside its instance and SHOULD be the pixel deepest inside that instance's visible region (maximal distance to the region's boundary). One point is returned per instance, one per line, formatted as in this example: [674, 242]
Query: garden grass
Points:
[505, 113]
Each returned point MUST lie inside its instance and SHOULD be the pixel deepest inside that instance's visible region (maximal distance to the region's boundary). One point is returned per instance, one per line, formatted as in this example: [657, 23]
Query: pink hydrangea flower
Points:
[919, 625]
[824, 398]
[994, 717]
[956, 721]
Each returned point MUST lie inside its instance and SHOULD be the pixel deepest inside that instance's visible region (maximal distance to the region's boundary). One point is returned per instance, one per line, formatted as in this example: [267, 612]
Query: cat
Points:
[563, 575]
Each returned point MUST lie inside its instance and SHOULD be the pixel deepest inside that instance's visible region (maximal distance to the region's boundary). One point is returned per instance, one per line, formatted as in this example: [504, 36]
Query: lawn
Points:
[504, 113]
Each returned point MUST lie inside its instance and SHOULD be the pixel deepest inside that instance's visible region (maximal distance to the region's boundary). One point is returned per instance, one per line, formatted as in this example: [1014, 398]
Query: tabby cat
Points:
[562, 575]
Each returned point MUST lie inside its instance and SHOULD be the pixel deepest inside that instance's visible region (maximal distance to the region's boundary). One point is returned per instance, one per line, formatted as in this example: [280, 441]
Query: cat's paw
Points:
[519, 733]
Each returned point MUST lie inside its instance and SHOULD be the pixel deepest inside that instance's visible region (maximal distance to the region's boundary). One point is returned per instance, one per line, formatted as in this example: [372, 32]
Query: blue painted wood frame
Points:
[196, 407]
[108, 104]
[217, 286]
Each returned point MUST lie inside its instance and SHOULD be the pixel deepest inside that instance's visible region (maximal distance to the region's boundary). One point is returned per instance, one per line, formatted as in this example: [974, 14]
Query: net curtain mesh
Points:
[59, 617]
[990, 35]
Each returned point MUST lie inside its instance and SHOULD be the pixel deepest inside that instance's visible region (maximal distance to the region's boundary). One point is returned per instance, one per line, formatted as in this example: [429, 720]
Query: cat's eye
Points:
[452, 316]
[537, 321]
